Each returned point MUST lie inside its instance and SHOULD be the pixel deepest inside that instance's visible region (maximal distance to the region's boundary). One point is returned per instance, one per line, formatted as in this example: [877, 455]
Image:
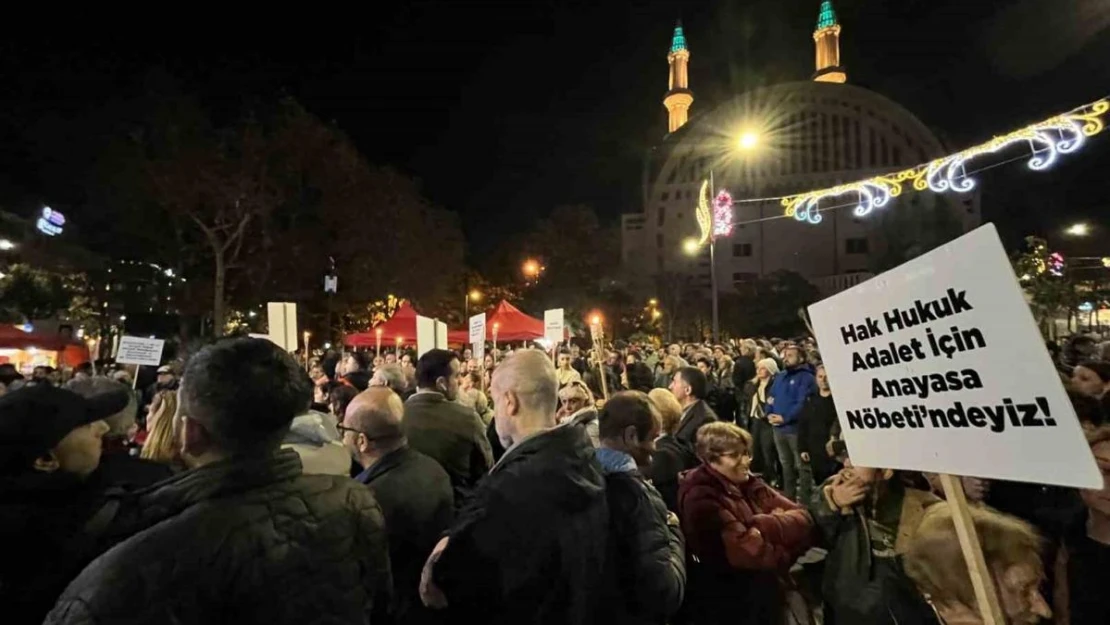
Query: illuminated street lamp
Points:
[531, 269]
[6, 245]
[691, 246]
[1078, 230]
[653, 302]
[715, 217]
[748, 141]
[473, 295]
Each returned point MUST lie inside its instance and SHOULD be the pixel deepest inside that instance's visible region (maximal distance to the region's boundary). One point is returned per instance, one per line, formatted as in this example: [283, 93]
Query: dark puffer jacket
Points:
[247, 540]
[530, 546]
[647, 560]
[43, 519]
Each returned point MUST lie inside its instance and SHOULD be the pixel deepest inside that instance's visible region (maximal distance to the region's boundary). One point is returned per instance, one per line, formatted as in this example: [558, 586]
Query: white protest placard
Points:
[441, 334]
[553, 325]
[282, 319]
[425, 335]
[937, 365]
[134, 350]
[478, 336]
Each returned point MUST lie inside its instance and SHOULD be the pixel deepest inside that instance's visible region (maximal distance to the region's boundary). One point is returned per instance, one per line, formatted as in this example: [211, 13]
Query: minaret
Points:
[827, 37]
[678, 98]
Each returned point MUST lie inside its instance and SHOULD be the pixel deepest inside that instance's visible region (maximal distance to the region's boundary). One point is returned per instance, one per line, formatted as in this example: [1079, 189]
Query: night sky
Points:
[504, 110]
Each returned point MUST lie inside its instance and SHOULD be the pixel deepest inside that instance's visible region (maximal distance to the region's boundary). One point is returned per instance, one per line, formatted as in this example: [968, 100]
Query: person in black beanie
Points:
[50, 443]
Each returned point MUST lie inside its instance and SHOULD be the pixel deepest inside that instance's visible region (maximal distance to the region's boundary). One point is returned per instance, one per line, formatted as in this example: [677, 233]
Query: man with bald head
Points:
[413, 490]
[530, 545]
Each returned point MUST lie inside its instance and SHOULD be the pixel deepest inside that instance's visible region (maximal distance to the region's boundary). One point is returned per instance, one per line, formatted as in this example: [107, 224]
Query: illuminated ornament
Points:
[1056, 264]
[722, 214]
[1047, 140]
[871, 193]
[51, 222]
[705, 217]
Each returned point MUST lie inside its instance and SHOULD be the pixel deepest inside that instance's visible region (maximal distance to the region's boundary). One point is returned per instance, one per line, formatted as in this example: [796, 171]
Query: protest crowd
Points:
[688, 483]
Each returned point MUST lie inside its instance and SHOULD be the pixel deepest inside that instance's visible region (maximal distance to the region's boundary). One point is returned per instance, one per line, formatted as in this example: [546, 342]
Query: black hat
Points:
[34, 419]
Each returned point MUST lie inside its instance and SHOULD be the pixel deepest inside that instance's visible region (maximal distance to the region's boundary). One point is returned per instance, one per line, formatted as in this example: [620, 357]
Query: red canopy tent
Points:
[401, 325]
[512, 325]
[70, 351]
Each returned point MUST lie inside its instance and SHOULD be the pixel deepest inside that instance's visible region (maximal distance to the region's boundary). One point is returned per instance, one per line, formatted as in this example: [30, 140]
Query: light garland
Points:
[722, 214]
[705, 218]
[1061, 134]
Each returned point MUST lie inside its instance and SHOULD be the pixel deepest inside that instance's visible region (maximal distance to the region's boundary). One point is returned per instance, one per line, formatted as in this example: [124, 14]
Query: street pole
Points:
[712, 256]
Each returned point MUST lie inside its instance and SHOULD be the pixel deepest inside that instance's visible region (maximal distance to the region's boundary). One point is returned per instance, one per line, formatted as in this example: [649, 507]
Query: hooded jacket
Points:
[316, 440]
[530, 545]
[646, 554]
[787, 395]
[244, 540]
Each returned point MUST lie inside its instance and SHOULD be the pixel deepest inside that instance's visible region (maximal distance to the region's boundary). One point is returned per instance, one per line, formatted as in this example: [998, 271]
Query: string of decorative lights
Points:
[825, 209]
[1047, 140]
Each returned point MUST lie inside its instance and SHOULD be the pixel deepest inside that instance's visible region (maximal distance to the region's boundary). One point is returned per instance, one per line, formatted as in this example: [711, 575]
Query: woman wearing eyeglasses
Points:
[742, 534]
[576, 403]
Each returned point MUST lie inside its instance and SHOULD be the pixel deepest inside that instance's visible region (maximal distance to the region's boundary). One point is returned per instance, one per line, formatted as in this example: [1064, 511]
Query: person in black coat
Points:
[814, 431]
[530, 546]
[646, 567]
[743, 372]
[414, 492]
[242, 536]
[671, 456]
[443, 429]
[690, 388]
[50, 446]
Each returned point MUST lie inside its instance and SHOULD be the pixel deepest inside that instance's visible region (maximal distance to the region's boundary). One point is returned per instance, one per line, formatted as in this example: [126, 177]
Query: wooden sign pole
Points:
[986, 595]
[598, 336]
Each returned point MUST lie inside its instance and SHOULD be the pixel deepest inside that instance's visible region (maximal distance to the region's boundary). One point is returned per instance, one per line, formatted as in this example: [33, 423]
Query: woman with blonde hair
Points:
[671, 455]
[765, 457]
[936, 566]
[743, 534]
[160, 445]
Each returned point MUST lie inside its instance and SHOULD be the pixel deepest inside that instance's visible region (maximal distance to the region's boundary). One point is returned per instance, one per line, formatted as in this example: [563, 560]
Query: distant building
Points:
[801, 136]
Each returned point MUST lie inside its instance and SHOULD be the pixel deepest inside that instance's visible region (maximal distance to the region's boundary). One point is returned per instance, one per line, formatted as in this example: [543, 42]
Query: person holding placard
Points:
[867, 518]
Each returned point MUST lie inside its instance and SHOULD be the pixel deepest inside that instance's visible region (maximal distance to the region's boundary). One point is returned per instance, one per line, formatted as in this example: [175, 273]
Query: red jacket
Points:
[740, 526]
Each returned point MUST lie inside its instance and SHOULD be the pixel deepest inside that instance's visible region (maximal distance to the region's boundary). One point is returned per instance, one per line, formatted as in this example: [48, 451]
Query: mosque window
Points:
[665, 196]
[662, 215]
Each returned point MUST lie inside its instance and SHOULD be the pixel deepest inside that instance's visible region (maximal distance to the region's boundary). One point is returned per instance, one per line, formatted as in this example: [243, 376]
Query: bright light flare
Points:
[1078, 230]
[748, 141]
[691, 247]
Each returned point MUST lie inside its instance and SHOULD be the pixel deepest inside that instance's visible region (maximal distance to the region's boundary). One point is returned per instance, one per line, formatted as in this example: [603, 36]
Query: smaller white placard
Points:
[441, 334]
[282, 318]
[478, 328]
[134, 350]
[425, 335]
[553, 325]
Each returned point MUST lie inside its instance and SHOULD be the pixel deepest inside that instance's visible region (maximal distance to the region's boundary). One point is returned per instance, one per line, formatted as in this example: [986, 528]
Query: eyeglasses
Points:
[344, 429]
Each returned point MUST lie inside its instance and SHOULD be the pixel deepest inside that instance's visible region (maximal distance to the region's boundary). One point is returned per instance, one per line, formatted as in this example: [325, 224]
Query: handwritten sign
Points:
[134, 350]
[553, 325]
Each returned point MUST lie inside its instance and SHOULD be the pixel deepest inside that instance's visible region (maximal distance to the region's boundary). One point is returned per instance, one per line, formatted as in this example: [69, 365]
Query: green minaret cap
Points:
[827, 15]
[678, 41]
